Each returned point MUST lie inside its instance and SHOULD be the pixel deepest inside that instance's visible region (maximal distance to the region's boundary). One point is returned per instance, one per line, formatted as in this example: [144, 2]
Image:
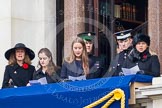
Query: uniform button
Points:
[125, 53]
[125, 57]
[136, 63]
[118, 64]
[113, 67]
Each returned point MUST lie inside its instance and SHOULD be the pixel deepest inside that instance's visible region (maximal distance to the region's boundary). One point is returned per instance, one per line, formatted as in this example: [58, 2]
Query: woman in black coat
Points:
[19, 70]
[147, 61]
[47, 68]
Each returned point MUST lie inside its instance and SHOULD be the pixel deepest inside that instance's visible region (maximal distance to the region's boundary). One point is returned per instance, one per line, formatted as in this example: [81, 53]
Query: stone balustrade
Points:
[149, 96]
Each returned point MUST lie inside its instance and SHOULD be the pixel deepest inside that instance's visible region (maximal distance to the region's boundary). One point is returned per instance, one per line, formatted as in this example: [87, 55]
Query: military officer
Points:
[124, 41]
[95, 63]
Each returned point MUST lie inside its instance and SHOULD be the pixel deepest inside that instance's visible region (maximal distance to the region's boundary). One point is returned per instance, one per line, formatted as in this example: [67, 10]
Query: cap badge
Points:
[122, 34]
[89, 34]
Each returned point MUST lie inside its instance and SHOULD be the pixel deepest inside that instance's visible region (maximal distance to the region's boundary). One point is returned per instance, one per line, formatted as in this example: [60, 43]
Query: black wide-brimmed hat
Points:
[141, 38]
[20, 45]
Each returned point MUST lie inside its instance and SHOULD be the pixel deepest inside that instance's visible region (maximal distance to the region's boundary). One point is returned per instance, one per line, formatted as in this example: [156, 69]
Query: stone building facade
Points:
[37, 24]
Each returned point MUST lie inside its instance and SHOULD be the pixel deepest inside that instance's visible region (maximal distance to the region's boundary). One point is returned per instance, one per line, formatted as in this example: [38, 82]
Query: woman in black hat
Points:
[141, 56]
[19, 70]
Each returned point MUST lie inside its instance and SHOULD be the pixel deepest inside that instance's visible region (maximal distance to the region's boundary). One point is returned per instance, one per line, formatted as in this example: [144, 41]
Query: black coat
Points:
[18, 75]
[96, 67]
[117, 63]
[147, 63]
[55, 77]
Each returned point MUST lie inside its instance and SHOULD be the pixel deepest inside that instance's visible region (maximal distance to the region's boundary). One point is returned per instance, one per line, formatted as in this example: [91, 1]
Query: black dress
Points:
[55, 77]
[17, 75]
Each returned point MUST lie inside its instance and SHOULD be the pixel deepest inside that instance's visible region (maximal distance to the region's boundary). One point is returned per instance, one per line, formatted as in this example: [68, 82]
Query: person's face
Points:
[43, 59]
[77, 49]
[124, 44]
[89, 46]
[141, 46]
[20, 54]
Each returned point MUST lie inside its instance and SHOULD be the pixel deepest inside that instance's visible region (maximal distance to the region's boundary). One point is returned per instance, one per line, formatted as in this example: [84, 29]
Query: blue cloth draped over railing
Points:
[68, 94]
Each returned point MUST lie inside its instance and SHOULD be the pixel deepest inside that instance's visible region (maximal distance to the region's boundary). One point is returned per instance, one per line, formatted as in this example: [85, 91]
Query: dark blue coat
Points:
[72, 69]
[18, 75]
[75, 68]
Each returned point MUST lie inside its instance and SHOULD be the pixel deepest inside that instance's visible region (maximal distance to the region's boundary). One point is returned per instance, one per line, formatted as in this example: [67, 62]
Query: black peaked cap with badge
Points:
[88, 36]
[122, 35]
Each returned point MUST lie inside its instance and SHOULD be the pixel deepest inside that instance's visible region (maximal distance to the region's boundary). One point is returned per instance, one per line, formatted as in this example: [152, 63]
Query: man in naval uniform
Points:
[95, 63]
[124, 41]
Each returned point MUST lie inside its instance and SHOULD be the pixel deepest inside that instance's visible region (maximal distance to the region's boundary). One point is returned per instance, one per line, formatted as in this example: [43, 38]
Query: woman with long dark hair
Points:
[47, 68]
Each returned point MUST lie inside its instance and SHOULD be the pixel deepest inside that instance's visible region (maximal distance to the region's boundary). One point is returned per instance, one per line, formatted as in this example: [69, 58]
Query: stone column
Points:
[50, 26]
[73, 22]
[5, 33]
[34, 23]
[155, 26]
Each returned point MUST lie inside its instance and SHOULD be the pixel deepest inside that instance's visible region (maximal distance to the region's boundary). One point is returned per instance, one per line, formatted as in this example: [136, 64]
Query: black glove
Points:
[140, 72]
[66, 80]
[121, 74]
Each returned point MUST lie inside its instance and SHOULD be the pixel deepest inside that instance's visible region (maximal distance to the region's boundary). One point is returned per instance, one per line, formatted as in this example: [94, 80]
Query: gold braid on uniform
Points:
[115, 95]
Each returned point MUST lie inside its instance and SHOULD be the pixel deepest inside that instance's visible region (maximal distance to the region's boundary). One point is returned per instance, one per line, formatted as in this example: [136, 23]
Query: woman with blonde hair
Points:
[76, 64]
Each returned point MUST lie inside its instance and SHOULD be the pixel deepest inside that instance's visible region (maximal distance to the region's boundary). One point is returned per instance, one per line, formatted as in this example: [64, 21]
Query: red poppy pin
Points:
[25, 66]
[144, 56]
